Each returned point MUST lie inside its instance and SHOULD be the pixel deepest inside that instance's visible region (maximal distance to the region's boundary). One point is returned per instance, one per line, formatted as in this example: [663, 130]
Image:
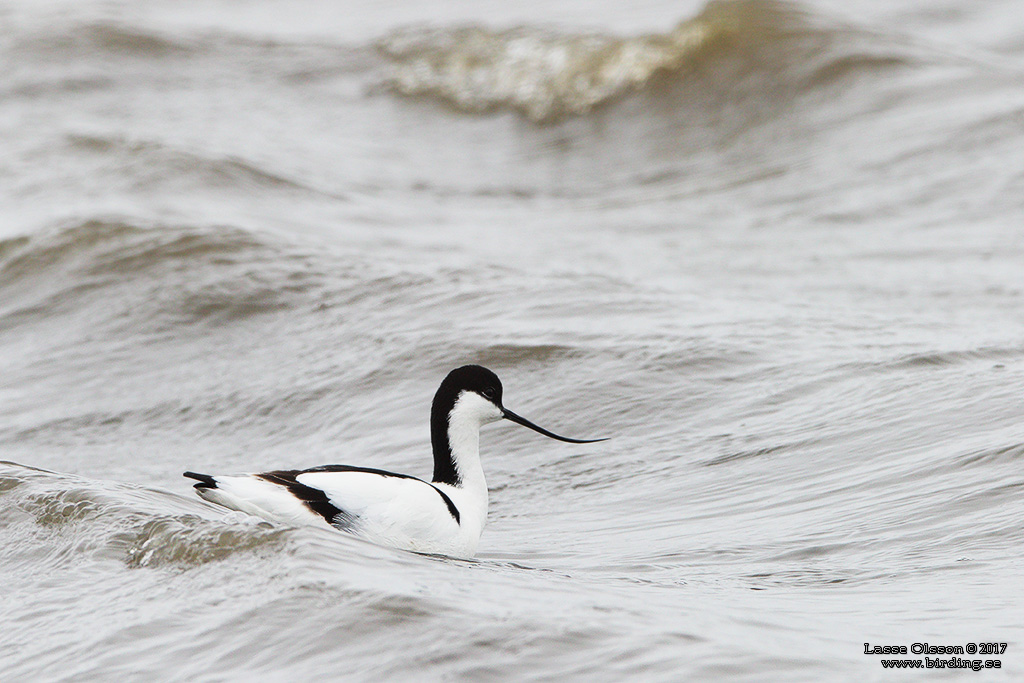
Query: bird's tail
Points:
[205, 480]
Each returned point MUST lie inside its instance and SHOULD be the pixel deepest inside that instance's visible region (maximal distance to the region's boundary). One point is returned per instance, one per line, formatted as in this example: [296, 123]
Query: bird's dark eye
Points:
[489, 392]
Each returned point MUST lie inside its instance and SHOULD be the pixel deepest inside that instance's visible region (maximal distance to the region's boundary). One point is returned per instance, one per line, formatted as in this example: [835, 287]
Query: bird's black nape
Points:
[467, 378]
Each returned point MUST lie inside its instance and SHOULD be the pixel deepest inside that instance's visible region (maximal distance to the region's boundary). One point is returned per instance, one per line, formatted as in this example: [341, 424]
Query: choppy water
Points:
[774, 250]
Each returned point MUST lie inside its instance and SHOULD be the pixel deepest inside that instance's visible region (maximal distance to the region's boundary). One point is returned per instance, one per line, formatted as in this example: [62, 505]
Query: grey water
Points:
[774, 250]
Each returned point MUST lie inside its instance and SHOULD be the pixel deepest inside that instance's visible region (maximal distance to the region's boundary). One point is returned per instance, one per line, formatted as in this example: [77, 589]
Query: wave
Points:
[126, 54]
[55, 518]
[542, 72]
[546, 74]
[106, 37]
[931, 359]
[121, 266]
[117, 244]
[148, 163]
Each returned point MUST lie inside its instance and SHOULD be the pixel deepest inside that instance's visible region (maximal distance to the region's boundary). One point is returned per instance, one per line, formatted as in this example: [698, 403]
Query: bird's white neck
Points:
[466, 417]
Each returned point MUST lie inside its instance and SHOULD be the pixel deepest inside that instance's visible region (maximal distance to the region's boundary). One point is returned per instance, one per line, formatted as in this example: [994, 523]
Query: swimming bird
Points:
[444, 516]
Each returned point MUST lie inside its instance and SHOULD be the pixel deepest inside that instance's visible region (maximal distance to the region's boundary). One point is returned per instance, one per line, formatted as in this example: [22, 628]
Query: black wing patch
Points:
[369, 470]
[315, 499]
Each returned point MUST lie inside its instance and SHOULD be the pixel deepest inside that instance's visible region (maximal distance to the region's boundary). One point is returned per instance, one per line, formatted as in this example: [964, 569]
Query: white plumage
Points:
[445, 516]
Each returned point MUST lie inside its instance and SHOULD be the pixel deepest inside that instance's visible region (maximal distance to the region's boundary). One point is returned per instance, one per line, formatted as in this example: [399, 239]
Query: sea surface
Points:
[775, 251]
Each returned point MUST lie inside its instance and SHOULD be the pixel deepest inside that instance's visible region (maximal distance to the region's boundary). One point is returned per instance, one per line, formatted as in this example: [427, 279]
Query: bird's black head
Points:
[483, 382]
[473, 378]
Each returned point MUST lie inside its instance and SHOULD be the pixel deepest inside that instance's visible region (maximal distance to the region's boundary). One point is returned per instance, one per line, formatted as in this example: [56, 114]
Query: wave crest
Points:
[541, 73]
[60, 518]
[546, 74]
